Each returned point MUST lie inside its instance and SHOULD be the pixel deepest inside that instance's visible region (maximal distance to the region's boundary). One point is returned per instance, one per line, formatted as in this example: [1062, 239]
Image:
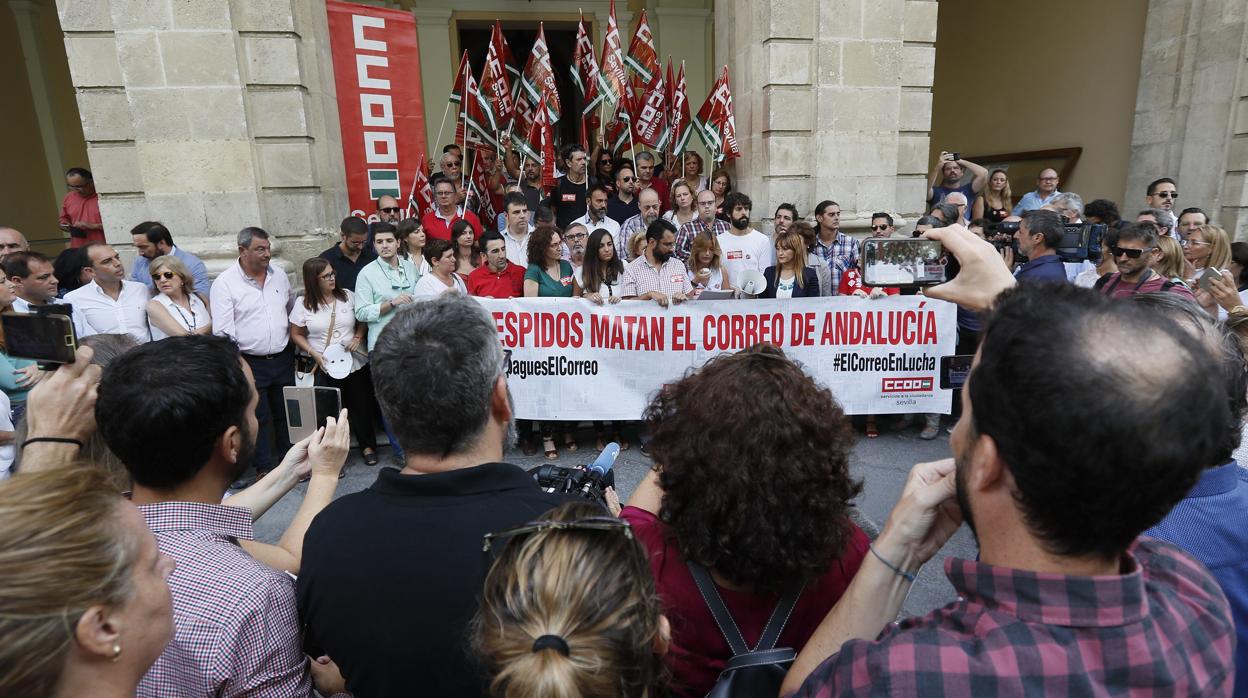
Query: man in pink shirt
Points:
[80, 209]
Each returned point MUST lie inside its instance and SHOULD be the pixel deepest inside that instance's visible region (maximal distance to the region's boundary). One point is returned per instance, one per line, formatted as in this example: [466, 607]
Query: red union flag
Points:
[650, 122]
[457, 90]
[642, 57]
[715, 122]
[494, 81]
[613, 83]
[584, 70]
[546, 139]
[539, 78]
[481, 185]
[619, 130]
[420, 200]
[377, 78]
[478, 118]
[682, 125]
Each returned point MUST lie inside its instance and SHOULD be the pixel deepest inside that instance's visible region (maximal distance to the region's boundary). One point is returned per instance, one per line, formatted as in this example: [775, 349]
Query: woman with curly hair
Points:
[758, 495]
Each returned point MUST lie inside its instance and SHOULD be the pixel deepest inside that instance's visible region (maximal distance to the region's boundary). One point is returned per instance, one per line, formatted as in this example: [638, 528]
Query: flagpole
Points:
[445, 113]
[470, 183]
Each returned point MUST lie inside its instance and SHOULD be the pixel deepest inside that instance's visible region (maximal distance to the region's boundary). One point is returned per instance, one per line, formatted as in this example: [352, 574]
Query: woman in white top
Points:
[693, 171]
[682, 204]
[412, 239]
[705, 264]
[176, 309]
[602, 271]
[441, 277]
[325, 316]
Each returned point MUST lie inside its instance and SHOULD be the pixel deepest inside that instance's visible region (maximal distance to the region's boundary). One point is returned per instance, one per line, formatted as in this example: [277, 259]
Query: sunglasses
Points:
[879, 227]
[166, 275]
[1168, 194]
[393, 209]
[628, 179]
[593, 523]
[1130, 253]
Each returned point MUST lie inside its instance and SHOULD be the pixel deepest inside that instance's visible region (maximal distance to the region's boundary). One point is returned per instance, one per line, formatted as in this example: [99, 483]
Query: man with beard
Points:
[651, 211]
[657, 275]
[1066, 597]
[236, 631]
[422, 524]
[574, 239]
[1162, 193]
[567, 199]
[151, 240]
[743, 247]
[498, 277]
[596, 213]
[1135, 252]
[622, 205]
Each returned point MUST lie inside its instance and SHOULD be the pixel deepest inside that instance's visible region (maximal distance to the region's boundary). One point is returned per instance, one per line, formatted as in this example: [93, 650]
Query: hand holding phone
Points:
[1210, 275]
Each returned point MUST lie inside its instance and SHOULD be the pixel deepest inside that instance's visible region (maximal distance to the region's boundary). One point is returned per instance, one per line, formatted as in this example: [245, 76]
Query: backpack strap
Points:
[728, 627]
[1100, 283]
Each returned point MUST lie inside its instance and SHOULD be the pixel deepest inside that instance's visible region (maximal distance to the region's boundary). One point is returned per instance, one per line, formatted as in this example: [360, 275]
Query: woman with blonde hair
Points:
[86, 607]
[682, 203]
[995, 201]
[1207, 247]
[705, 264]
[569, 610]
[1171, 264]
[790, 277]
[175, 309]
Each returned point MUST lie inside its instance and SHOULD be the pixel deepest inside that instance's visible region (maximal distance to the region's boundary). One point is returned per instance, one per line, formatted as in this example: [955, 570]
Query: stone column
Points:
[209, 116]
[1191, 115]
[833, 101]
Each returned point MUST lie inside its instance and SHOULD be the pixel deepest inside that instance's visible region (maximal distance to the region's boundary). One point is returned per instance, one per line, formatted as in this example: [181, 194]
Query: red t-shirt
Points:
[698, 651]
[660, 187]
[437, 228]
[509, 284]
[85, 209]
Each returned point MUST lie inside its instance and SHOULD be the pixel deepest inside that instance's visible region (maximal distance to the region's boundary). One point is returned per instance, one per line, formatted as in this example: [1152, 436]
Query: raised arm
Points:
[980, 174]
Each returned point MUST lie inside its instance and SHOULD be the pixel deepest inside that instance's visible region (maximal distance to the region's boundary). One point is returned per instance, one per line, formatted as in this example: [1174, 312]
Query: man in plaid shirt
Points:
[839, 250]
[1066, 598]
[705, 224]
[236, 627]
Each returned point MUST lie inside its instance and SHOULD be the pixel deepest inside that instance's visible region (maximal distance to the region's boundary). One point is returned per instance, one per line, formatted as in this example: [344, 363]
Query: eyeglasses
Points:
[879, 227]
[329, 275]
[166, 275]
[1130, 253]
[1048, 179]
[592, 523]
[392, 209]
[1168, 194]
[1187, 242]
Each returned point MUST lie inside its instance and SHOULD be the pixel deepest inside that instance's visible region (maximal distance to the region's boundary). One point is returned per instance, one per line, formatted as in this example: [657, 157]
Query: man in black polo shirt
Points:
[350, 255]
[390, 576]
[568, 198]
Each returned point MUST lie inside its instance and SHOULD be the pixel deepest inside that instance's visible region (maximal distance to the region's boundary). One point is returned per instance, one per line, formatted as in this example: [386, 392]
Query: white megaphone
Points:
[751, 282]
[337, 361]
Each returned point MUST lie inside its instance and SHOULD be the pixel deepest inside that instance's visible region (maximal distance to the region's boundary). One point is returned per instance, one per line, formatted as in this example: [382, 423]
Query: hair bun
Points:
[554, 642]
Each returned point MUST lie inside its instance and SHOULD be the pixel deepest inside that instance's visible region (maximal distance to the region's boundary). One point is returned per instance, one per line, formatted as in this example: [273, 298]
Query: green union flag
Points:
[383, 183]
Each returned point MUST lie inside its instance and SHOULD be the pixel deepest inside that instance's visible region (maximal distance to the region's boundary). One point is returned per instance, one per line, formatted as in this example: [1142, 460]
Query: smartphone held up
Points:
[45, 335]
[902, 263]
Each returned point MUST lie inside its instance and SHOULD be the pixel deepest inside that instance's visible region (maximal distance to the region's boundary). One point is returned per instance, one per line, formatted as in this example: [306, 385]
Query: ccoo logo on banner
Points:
[380, 105]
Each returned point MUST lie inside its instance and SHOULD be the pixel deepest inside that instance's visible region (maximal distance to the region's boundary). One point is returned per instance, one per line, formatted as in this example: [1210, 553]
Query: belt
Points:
[278, 355]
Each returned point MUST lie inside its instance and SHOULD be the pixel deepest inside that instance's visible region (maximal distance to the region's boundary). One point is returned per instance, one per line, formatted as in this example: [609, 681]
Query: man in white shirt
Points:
[657, 275]
[596, 213]
[32, 279]
[251, 304]
[109, 303]
[743, 247]
[516, 234]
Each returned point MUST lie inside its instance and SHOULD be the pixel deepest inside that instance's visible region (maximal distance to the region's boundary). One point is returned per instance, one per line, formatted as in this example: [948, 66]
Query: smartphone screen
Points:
[954, 370]
[902, 262]
[46, 338]
[318, 404]
[328, 404]
[294, 416]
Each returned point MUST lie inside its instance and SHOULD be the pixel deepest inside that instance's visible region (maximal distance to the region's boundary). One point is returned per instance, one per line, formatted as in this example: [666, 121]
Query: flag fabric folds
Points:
[642, 58]
[613, 81]
[420, 199]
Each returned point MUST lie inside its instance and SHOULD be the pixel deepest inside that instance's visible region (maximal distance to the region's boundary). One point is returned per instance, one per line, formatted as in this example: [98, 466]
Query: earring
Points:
[116, 651]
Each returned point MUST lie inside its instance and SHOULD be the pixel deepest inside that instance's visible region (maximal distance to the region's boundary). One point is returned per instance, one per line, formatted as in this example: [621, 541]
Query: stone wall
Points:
[1191, 115]
[209, 115]
[833, 101]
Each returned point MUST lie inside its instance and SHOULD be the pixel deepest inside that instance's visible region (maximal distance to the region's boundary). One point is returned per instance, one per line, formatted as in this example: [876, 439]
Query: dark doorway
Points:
[474, 36]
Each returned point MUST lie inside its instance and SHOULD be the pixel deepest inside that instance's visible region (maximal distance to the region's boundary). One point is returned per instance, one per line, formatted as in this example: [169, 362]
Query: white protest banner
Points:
[572, 360]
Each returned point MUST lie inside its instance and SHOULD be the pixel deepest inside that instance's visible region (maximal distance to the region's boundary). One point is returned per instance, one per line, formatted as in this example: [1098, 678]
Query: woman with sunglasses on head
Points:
[569, 610]
[763, 518]
[176, 309]
[323, 317]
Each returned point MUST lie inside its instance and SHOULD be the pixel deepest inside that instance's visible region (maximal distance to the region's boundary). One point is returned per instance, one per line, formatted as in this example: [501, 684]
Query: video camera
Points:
[590, 481]
[1080, 241]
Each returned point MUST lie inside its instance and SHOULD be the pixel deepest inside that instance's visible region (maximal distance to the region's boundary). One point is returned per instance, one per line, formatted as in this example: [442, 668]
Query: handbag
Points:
[305, 364]
[750, 672]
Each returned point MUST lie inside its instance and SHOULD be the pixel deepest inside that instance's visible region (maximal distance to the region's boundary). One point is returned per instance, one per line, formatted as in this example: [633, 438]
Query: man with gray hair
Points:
[250, 303]
[958, 200]
[1069, 206]
[1163, 219]
[12, 240]
[422, 524]
[651, 211]
[647, 180]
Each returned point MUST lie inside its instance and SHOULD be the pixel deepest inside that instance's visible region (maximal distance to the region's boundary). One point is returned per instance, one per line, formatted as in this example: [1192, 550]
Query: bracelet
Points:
[909, 576]
[51, 440]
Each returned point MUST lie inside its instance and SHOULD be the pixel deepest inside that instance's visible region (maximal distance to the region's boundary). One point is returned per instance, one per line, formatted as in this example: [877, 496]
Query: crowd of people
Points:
[1109, 526]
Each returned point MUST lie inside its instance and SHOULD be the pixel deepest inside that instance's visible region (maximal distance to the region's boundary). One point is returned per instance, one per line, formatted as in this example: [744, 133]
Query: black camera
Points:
[1080, 241]
[587, 481]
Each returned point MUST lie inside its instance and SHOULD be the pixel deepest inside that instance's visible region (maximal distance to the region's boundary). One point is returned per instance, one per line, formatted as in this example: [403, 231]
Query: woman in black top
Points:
[995, 201]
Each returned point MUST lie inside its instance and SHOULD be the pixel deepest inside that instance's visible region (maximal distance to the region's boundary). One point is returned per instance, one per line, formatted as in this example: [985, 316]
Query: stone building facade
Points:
[211, 115]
